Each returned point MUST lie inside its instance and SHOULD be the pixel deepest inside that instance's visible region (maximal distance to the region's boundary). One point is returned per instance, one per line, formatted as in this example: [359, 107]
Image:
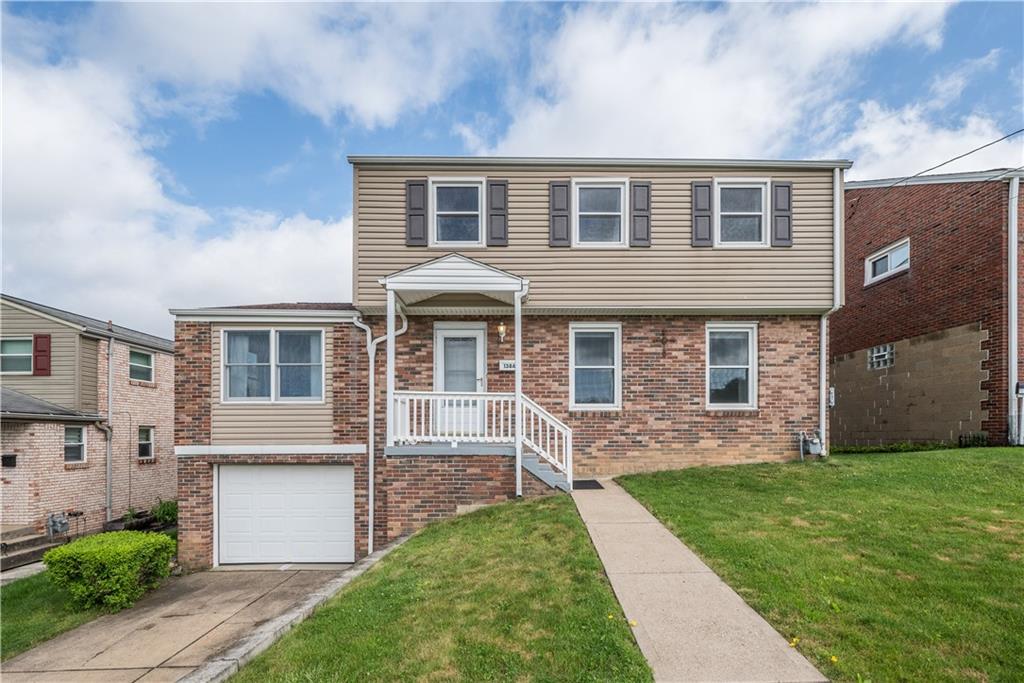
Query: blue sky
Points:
[191, 154]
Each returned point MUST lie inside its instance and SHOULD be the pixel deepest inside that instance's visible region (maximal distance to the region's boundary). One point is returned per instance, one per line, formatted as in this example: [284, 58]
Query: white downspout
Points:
[518, 307]
[371, 351]
[1012, 255]
[110, 431]
[838, 243]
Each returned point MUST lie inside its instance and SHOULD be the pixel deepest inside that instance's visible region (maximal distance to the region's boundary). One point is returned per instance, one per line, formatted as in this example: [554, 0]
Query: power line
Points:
[961, 156]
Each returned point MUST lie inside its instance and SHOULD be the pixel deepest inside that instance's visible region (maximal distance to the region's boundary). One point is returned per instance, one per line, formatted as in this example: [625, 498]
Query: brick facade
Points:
[42, 483]
[957, 277]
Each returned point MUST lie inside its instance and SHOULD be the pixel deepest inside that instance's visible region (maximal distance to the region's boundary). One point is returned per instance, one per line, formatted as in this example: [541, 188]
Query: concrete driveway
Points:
[170, 632]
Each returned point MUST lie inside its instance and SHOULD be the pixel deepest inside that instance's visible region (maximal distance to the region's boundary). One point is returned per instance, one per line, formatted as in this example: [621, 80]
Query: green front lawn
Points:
[33, 610]
[511, 592]
[902, 567]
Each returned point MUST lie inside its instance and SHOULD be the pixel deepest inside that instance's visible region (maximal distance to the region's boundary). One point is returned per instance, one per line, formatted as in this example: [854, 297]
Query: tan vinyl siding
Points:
[88, 364]
[61, 386]
[669, 274]
[270, 423]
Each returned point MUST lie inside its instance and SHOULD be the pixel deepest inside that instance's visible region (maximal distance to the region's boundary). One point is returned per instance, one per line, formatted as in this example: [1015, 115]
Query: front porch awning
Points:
[454, 274]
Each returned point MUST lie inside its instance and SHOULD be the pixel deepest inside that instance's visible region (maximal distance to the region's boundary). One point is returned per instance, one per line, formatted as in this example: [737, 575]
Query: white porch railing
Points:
[436, 416]
[548, 436]
[431, 416]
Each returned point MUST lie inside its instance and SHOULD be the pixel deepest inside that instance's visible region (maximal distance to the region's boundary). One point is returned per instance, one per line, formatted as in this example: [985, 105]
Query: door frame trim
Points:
[444, 326]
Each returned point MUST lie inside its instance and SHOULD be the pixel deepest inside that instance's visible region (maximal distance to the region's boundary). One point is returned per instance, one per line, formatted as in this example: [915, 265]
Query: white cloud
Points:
[680, 80]
[89, 227]
[946, 88]
[889, 143]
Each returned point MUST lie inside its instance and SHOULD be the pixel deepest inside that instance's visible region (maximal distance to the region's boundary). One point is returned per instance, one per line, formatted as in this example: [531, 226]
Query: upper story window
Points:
[145, 443]
[74, 444]
[16, 356]
[140, 365]
[456, 214]
[731, 366]
[741, 212]
[895, 258]
[595, 366]
[273, 365]
[599, 215]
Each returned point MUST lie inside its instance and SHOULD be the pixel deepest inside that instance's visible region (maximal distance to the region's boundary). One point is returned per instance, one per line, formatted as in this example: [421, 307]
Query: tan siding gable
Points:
[61, 386]
[670, 273]
[270, 423]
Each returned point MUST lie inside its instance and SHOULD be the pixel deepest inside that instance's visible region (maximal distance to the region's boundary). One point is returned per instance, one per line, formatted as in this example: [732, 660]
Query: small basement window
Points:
[145, 443]
[455, 211]
[16, 356]
[600, 209]
[882, 264]
[140, 365]
[74, 444]
[741, 213]
[880, 357]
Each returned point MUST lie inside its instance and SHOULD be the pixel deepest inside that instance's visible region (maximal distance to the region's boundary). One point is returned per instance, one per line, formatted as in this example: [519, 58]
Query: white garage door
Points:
[285, 513]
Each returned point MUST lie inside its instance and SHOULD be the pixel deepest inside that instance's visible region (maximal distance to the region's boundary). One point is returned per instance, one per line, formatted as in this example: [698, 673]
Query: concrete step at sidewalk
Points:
[691, 626]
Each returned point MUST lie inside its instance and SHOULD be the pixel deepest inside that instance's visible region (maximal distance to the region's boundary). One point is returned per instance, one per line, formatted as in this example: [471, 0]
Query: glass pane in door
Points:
[460, 364]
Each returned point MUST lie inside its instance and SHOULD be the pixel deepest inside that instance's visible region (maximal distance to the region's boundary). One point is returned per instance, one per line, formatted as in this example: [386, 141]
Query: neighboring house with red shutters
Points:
[520, 323]
[927, 348]
[68, 445]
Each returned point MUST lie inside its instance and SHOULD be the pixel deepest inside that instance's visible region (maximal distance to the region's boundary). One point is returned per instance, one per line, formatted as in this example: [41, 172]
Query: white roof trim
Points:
[453, 273]
[994, 175]
[365, 159]
[262, 315]
[413, 310]
[288, 449]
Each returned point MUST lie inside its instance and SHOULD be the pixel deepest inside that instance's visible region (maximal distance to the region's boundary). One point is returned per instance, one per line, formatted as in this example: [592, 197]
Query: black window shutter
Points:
[416, 213]
[560, 211]
[640, 214]
[782, 214]
[702, 205]
[497, 213]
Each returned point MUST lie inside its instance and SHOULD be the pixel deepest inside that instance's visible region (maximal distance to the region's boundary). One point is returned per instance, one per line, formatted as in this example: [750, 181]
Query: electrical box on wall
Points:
[831, 397]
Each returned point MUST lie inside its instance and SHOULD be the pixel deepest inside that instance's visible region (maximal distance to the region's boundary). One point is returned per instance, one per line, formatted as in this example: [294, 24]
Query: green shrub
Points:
[166, 512]
[110, 570]
[897, 447]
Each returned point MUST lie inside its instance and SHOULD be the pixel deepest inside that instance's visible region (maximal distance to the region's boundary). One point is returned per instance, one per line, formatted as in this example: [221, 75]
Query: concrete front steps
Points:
[541, 469]
[24, 546]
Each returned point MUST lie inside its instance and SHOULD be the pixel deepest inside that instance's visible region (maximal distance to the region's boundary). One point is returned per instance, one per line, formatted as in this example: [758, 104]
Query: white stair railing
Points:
[549, 437]
[437, 416]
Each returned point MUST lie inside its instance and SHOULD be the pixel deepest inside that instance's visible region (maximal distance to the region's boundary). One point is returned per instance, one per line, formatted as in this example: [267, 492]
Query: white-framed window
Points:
[731, 366]
[456, 212]
[264, 365]
[145, 443]
[74, 444]
[742, 211]
[600, 207]
[880, 357]
[140, 365]
[893, 259]
[595, 366]
[16, 356]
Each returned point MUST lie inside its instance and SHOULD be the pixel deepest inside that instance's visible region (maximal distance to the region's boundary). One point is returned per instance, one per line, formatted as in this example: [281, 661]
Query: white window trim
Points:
[751, 329]
[31, 356]
[433, 184]
[616, 328]
[151, 366]
[85, 445]
[273, 398]
[766, 211]
[151, 442]
[885, 251]
[622, 184]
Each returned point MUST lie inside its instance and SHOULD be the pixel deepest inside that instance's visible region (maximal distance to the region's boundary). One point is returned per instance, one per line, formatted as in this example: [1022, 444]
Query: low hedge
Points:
[110, 570]
[896, 447]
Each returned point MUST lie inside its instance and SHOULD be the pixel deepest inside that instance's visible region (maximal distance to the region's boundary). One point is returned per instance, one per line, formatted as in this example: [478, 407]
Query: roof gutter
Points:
[838, 244]
[375, 160]
[1013, 287]
[262, 314]
[48, 417]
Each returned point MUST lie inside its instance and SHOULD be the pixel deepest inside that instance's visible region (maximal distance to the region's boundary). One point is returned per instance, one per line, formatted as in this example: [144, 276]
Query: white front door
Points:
[460, 365]
[285, 513]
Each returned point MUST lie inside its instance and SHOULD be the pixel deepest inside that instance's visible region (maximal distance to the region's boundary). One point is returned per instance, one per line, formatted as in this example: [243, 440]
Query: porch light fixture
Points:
[501, 332]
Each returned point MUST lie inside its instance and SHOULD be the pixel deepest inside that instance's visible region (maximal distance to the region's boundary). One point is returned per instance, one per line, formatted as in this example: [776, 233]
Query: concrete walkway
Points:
[690, 625]
[166, 635]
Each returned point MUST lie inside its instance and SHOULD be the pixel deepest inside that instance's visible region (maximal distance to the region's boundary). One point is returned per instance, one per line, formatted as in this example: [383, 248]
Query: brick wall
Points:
[349, 384]
[957, 274]
[193, 358]
[663, 422]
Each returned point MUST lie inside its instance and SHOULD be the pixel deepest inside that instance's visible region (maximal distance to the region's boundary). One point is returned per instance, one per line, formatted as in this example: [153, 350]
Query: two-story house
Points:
[519, 324]
[927, 347]
[86, 418]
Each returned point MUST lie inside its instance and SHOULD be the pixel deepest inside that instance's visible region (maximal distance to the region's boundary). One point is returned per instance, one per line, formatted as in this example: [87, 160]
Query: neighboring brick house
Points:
[66, 450]
[529, 322]
[923, 349]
